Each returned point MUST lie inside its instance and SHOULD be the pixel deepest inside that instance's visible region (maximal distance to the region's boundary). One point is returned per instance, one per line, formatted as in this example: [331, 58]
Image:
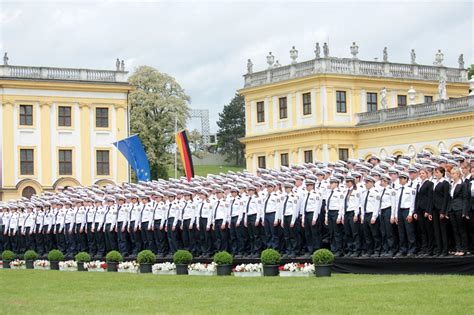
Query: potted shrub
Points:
[146, 259]
[223, 261]
[113, 258]
[7, 257]
[30, 257]
[182, 258]
[322, 260]
[270, 259]
[81, 258]
[54, 257]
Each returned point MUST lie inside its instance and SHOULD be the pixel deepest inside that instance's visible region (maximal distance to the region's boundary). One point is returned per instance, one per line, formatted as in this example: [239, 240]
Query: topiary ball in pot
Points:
[270, 260]
[30, 256]
[322, 260]
[182, 258]
[7, 256]
[146, 258]
[113, 258]
[54, 257]
[223, 261]
[81, 258]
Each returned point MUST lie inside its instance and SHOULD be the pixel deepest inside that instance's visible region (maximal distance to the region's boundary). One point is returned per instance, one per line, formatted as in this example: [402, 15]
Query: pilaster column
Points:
[121, 123]
[8, 151]
[85, 142]
[46, 158]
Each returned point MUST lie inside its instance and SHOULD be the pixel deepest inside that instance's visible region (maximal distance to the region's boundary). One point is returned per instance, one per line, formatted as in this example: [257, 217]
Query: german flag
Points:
[185, 152]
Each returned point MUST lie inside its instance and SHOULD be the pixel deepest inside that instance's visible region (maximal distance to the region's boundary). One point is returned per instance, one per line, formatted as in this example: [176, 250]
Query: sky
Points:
[205, 44]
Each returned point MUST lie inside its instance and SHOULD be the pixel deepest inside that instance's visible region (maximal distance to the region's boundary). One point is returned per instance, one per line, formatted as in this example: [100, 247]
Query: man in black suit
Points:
[423, 208]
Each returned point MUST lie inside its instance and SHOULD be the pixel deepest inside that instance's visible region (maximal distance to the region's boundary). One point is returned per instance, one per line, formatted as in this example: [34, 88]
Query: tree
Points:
[470, 72]
[232, 127]
[154, 105]
[196, 143]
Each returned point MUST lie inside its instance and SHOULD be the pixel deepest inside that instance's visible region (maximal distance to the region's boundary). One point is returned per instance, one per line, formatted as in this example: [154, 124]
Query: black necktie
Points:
[217, 207]
[200, 210]
[306, 201]
[284, 204]
[319, 185]
[248, 206]
[232, 207]
[381, 197]
[329, 199]
[366, 200]
[346, 201]
[266, 202]
[417, 187]
[400, 199]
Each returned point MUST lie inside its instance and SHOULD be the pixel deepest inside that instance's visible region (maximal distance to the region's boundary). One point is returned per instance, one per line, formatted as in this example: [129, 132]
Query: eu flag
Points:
[132, 149]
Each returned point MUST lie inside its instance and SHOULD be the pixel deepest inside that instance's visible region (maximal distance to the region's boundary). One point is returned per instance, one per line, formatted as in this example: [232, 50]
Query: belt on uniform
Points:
[384, 209]
[404, 209]
[350, 211]
[333, 210]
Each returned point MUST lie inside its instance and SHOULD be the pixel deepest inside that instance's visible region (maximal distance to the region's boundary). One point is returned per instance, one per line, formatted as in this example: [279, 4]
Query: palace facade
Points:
[58, 126]
[332, 108]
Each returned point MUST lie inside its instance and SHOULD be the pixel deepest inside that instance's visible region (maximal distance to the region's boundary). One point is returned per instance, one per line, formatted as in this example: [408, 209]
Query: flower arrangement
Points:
[41, 264]
[295, 267]
[68, 265]
[248, 268]
[296, 270]
[96, 266]
[167, 268]
[18, 264]
[128, 266]
[202, 269]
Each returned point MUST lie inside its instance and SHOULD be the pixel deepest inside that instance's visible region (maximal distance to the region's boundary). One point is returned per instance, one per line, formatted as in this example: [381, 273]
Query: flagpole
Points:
[175, 146]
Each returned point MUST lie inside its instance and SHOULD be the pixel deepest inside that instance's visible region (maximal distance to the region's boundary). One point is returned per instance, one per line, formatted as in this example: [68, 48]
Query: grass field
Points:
[203, 170]
[34, 291]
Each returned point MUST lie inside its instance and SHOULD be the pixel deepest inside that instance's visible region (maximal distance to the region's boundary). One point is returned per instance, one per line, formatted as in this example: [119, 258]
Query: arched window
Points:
[28, 191]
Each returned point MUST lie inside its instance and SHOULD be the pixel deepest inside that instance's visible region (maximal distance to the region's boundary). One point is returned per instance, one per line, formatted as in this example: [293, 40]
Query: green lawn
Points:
[203, 170]
[34, 291]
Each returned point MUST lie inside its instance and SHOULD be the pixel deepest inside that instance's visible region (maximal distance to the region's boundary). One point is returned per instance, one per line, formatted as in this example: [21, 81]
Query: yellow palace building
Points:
[332, 108]
[58, 126]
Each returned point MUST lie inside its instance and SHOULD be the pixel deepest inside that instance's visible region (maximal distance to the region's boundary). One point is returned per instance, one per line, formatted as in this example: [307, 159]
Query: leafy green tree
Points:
[155, 103]
[232, 127]
[470, 72]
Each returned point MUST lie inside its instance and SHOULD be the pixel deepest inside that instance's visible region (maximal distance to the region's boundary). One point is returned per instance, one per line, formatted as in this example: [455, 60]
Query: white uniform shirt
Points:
[407, 200]
[290, 204]
[335, 201]
[370, 203]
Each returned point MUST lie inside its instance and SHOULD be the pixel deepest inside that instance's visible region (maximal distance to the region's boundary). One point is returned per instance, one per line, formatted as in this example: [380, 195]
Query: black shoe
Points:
[374, 255]
[386, 255]
[411, 255]
[399, 255]
[366, 255]
[338, 254]
[355, 255]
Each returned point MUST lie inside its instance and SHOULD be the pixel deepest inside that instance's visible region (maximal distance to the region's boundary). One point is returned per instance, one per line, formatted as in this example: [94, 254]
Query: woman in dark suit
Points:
[470, 207]
[457, 210]
[438, 213]
[423, 207]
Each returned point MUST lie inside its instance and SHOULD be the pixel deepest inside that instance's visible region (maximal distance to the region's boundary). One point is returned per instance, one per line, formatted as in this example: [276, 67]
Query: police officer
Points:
[158, 226]
[59, 216]
[90, 214]
[28, 228]
[351, 217]
[69, 229]
[38, 230]
[289, 217]
[271, 215]
[251, 212]
[403, 216]
[235, 204]
[98, 228]
[221, 218]
[123, 210]
[370, 208]
[334, 215]
[133, 225]
[79, 226]
[310, 216]
[387, 205]
[146, 221]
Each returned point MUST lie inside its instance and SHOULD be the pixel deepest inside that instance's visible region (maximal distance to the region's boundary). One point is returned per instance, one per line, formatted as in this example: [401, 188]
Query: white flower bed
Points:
[199, 269]
[41, 265]
[68, 265]
[166, 268]
[18, 264]
[248, 270]
[128, 267]
[96, 266]
[297, 270]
